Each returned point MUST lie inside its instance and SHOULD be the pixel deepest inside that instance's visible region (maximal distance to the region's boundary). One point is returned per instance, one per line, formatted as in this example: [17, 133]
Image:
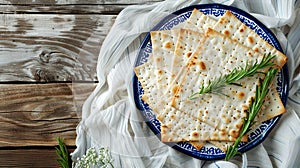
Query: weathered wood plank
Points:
[36, 114]
[69, 6]
[28, 158]
[62, 9]
[51, 47]
[69, 2]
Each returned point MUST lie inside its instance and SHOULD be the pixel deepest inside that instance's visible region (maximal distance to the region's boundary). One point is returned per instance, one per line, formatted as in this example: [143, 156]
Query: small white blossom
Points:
[92, 159]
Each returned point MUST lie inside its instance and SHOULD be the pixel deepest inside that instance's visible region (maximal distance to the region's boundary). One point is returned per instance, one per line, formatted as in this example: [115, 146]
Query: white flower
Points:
[92, 158]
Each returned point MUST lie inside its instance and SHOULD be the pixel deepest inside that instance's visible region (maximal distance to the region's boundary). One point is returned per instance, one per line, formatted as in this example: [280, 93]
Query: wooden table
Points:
[48, 55]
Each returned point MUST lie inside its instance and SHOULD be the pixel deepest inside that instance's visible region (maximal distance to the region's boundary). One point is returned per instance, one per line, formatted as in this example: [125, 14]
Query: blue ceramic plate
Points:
[209, 152]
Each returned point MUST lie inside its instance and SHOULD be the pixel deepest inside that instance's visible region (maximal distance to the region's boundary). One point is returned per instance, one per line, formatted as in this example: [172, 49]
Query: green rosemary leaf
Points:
[63, 154]
[217, 84]
[255, 106]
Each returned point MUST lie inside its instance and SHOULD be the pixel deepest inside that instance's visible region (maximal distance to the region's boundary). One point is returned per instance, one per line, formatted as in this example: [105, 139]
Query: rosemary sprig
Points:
[64, 159]
[217, 84]
[255, 106]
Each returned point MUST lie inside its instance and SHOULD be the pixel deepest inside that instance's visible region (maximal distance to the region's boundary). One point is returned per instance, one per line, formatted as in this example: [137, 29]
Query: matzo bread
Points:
[163, 62]
[152, 95]
[187, 43]
[156, 73]
[199, 21]
[191, 127]
[275, 106]
[180, 126]
[220, 144]
[207, 64]
[185, 47]
[163, 46]
[232, 27]
[147, 78]
[271, 108]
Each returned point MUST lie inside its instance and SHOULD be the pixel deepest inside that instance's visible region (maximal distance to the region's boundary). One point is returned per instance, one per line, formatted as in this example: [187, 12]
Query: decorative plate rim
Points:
[283, 72]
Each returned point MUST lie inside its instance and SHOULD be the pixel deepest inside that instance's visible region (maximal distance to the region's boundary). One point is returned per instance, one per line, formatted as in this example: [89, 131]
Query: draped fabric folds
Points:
[110, 118]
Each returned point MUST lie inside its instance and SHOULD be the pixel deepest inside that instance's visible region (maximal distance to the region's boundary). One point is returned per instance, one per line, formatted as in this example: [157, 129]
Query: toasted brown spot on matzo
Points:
[241, 95]
[251, 40]
[202, 65]
[226, 32]
[168, 45]
[188, 54]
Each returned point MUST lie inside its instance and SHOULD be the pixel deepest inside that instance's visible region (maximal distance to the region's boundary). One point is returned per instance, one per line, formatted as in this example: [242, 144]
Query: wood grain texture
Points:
[29, 158]
[43, 42]
[51, 47]
[63, 9]
[36, 114]
[69, 2]
[69, 6]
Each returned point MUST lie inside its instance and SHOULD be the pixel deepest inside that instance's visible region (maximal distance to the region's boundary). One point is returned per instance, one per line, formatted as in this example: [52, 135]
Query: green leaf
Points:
[62, 153]
[255, 106]
[236, 74]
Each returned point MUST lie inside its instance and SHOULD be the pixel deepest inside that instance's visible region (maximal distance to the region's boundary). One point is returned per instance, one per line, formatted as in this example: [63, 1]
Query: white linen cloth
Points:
[110, 118]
